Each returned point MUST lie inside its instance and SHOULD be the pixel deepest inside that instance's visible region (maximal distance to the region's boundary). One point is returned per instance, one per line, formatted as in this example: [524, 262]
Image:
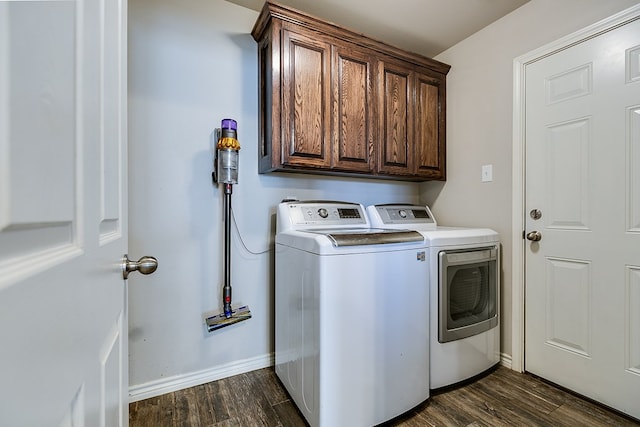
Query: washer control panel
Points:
[321, 214]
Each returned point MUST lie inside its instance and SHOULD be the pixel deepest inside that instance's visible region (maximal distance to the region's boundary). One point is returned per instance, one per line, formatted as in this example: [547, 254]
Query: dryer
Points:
[351, 321]
[464, 282]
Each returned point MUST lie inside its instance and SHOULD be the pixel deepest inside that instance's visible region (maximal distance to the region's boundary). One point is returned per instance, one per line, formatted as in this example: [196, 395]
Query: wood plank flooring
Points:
[502, 398]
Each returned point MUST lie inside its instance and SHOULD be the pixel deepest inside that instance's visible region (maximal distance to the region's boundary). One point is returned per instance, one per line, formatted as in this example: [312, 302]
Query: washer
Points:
[351, 323]
[464, 282]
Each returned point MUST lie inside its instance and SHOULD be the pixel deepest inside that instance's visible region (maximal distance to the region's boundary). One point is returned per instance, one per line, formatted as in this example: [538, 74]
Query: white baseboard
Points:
[179, 382]
[505, 360]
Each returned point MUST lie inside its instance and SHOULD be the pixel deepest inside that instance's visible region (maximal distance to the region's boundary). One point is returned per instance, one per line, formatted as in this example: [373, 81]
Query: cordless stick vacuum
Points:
[226, 173]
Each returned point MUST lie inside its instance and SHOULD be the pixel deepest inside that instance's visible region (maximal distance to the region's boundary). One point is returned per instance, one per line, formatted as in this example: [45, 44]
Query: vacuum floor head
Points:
[220, 321]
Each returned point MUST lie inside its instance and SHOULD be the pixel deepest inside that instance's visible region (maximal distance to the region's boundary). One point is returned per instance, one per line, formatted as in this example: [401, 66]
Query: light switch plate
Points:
[487, 173]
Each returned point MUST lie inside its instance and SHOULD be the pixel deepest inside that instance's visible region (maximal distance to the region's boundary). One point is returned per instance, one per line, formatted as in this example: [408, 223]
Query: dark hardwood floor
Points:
[502, 398]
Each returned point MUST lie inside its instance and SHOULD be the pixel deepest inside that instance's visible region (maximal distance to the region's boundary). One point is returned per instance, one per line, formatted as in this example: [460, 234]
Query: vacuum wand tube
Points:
[226, 290]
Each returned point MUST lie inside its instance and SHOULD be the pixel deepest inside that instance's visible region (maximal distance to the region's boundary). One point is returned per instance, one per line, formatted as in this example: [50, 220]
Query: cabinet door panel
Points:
[429, 135]
[395, 120]
[305, 107]
[353, 130]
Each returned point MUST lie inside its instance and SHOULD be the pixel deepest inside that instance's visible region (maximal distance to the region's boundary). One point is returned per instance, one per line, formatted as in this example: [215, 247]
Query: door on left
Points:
[63, 223]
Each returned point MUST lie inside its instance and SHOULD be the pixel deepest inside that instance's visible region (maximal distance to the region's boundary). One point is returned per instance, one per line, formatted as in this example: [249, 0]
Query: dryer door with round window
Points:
[468, 292]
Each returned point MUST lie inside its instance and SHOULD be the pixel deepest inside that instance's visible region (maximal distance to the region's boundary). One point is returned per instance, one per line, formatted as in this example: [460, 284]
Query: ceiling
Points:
[427, 27]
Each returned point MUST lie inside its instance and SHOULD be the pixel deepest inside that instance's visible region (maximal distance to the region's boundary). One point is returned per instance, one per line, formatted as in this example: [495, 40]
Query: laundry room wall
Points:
[191, 64]
[479, 120]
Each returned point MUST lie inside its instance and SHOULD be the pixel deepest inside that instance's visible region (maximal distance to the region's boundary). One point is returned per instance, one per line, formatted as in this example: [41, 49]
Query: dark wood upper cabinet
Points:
[306, 120]
[336, 102]
[353, 110]
[429, 125]
[395, 118]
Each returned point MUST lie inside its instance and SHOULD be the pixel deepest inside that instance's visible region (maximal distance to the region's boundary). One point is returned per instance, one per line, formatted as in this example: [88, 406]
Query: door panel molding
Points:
[632, 320]
[633, 169]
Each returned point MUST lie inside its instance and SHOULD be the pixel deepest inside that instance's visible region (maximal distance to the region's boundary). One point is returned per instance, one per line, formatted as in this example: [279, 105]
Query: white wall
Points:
[479, 118]
[191, 64]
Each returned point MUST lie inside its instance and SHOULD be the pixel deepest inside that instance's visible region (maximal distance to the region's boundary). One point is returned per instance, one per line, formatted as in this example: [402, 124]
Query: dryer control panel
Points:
[401, 215]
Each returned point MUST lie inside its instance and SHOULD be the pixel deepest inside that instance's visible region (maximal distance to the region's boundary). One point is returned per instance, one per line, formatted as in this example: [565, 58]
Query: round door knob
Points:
[534, 236]
[145, 265]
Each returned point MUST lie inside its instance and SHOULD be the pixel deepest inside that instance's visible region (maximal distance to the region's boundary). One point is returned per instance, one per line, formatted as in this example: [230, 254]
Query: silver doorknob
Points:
[145, 265]
[534, 236]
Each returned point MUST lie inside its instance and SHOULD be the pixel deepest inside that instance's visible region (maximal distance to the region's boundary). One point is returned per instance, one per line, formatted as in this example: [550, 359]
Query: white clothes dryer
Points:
[464, 282]
[351, 322]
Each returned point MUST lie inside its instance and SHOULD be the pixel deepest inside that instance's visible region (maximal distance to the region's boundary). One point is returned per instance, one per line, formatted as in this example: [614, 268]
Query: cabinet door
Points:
[352, 113]
[306, 100]
[429, 136]
[395, 89]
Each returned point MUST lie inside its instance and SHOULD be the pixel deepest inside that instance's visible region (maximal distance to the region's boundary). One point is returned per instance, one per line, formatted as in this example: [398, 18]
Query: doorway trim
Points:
[519, 162]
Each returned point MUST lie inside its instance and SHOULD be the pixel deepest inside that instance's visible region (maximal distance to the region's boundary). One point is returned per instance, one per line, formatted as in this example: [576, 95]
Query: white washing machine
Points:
[464, 281]
[351, 323]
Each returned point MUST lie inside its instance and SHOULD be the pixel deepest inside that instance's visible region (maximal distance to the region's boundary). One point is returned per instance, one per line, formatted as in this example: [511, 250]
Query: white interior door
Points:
[582, 278]
[63, 224]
